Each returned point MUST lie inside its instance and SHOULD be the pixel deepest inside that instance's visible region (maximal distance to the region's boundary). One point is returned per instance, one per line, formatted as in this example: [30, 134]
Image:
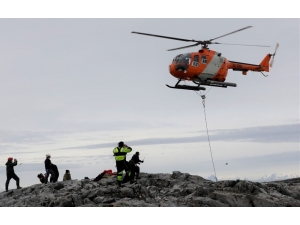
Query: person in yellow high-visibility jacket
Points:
[120, 157]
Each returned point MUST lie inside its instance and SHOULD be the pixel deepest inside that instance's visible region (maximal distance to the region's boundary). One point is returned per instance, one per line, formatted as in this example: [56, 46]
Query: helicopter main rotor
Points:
[203, 43]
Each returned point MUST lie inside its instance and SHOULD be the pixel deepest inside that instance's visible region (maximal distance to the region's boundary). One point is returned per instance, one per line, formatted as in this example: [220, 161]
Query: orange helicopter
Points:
[208, 67]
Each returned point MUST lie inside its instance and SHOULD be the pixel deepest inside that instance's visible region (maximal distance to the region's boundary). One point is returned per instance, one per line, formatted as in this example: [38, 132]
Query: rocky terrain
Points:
[157, 190]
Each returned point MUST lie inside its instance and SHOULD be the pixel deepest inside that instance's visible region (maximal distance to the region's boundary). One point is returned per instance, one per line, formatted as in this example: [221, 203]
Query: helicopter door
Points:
[196, 61]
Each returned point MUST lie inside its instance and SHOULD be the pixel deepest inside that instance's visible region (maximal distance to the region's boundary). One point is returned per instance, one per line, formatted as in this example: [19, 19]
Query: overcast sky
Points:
[74, 88]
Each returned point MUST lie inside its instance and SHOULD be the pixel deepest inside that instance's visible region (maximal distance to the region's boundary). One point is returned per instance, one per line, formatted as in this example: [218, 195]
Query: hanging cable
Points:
[212, 159]
[203, 102]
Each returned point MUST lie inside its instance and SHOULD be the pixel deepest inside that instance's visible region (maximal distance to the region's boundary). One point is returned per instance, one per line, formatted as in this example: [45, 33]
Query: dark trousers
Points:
[13, 176]
[129, 176]
[49, 171]
[120, 167]
[137, 170]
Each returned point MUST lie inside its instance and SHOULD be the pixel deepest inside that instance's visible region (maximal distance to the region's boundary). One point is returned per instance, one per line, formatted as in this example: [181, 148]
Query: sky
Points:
[74, 81]
[75, 87]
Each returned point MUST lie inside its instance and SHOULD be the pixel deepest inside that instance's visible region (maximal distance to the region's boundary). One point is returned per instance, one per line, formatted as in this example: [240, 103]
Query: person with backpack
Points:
[136, 159]
[10, 173]
[120, 153]
[48, 168]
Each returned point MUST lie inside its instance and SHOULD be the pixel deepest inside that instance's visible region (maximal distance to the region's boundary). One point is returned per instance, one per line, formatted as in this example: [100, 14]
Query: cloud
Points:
[262, 134]
[27, 136]
[292, 156]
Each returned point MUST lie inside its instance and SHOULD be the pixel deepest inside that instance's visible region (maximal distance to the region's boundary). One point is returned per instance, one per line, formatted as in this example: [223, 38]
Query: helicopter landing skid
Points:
[213, 83]
[186, 87]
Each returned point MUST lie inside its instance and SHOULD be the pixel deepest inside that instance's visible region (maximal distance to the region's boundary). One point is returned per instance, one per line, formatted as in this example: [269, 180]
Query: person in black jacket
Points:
[10, 173]
[48, 167]
[55, 170]
[136, 159]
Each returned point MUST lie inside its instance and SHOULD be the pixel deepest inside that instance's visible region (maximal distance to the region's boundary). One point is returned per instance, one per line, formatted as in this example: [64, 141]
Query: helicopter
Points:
[208, 67]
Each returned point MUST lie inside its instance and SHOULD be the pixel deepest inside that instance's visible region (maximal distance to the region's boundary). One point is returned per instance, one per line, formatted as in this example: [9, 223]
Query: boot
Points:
[19, 187]
[120, 184]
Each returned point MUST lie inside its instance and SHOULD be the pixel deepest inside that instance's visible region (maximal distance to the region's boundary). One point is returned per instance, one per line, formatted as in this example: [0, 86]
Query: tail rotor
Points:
[273, 55]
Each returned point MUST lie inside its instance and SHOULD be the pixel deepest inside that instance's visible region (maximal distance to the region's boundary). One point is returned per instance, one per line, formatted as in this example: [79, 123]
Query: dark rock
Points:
[157, 190]
[110, 200]
[77, 200]
[98, 200]
[58, 185]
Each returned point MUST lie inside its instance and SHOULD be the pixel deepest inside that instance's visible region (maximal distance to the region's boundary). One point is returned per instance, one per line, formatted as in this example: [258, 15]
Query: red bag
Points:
[109, 172]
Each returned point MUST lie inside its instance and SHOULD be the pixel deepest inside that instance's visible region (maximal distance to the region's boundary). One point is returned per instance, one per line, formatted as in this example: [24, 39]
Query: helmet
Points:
[10, 159]
[48, 155]
[137, 153]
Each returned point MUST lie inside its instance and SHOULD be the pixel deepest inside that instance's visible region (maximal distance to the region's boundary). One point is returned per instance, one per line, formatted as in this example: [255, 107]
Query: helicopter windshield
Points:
[182, 61]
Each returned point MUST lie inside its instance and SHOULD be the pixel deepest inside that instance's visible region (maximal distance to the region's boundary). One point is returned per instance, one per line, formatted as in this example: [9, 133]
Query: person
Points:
[99, 177]
[136, 159]
[56, 173]
[67, 176]
[104, 174]
[41, 177]
[48, 168]
[121, 163]
[130, 175]
[10, 173]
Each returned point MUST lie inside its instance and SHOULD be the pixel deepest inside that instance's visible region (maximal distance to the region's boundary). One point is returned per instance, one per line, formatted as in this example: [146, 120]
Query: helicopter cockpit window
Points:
[183, 61]
[196, 61]
[175, 60]
[204, 60]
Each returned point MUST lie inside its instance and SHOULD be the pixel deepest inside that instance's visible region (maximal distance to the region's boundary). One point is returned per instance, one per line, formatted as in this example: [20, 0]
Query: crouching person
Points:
[41, 178]
[67, 176]
[136, 160]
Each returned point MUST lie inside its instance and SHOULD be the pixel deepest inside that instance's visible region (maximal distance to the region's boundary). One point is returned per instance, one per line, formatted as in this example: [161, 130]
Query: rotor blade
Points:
[240, 44]
[183, 47]
[154, 35]
[272, 61]
[277, 45]
[231, 33]
[273, 55]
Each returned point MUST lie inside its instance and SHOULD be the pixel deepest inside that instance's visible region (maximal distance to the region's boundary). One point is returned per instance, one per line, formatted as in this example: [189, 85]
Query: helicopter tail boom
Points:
[244, 67]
